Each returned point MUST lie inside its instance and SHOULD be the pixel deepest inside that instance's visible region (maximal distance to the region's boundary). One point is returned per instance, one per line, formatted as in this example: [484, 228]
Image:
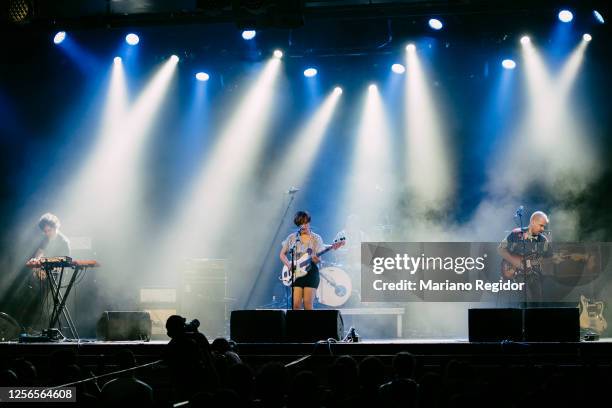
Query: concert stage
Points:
[429, 352]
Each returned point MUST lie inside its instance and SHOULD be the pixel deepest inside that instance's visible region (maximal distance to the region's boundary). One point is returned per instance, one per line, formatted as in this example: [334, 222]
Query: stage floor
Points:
[427, 348]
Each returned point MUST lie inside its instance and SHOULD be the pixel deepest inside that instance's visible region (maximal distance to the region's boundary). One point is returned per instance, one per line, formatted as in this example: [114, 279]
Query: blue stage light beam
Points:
[249, 34]
[132, 39]
[59, 37]
[565, 16]
[435, 24]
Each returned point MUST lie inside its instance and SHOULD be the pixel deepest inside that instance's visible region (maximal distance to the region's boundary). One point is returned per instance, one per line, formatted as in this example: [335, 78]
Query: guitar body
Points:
[302, 267]
[591, 315]
[509, 271]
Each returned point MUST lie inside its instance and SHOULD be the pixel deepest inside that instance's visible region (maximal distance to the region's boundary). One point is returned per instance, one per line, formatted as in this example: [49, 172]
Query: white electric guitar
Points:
[302, 265]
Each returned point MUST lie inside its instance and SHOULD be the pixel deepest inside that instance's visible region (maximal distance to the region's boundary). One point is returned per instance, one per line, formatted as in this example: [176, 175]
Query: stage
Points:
[430, 352]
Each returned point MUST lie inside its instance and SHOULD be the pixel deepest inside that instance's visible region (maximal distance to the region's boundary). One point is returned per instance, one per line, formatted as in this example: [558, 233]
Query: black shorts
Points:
[310, 280]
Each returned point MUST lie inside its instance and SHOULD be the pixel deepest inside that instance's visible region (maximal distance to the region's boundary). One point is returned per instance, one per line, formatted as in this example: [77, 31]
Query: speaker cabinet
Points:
[257, 326]
[114, 326]
[495, 325]
[552, 324]
[309, 326]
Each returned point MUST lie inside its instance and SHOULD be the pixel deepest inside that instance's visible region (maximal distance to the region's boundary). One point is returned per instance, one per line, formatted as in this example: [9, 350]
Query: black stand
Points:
[520, 217]
[292, 275]
[267, 256]
[59, 300]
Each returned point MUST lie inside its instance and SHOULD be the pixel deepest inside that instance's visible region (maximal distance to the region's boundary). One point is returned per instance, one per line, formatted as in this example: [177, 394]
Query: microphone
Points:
[292, 190]
[519, 211]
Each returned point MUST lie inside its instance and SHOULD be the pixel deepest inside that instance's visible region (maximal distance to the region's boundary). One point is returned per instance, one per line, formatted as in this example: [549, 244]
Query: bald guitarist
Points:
[523, 251]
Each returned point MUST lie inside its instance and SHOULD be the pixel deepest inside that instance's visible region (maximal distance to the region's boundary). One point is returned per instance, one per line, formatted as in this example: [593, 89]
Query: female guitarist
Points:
[302, 242]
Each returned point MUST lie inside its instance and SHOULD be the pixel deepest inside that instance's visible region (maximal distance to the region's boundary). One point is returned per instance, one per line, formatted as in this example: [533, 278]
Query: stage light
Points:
[398, 68]
[435, 24]
[369, 169]
[310, 72]
[59, 37]
[411, 47]
[249, 34]
[202, 76]
[132, 39]
[508, 64]
[278, 54]
[566, 16]
[525, 40]
[598, 17]
[338, 90]
[301, 154]
[174, 58]
[117, 60]
[372, 88]
[587, 37]
[425, 142]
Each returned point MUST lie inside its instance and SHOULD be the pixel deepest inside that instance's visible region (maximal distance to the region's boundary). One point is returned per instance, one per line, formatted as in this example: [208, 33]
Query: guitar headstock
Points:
[340, 241]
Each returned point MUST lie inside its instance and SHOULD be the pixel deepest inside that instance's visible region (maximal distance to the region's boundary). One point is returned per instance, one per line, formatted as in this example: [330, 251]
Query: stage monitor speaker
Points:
[552, 324]
[257, 326]
[495, 324]
[115, 326]
[309, 326]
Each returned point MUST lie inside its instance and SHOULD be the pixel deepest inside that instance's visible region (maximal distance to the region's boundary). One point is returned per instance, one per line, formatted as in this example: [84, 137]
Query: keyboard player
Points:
[53, 243]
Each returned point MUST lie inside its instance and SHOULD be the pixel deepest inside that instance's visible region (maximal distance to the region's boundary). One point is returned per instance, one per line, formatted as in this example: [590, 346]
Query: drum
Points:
[335, 286]
[9, 328]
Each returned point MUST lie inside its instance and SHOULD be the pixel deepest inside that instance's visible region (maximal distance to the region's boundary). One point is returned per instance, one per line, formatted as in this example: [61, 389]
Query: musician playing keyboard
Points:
[54, 243]
[305, 287]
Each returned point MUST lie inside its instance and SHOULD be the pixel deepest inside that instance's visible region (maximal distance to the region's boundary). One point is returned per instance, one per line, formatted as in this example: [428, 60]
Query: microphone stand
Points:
[520, 217]
[292, 271]
[265, 259]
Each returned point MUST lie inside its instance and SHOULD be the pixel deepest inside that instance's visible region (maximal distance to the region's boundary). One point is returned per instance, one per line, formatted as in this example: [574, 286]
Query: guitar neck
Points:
[326, 250]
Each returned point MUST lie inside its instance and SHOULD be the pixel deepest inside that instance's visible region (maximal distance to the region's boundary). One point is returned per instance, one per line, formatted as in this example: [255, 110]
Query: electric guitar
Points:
[509, 271]
[302, 265]
[591, 315]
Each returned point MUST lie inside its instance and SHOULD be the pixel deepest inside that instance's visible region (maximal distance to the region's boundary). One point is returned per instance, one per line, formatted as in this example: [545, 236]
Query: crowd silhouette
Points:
[195, 373]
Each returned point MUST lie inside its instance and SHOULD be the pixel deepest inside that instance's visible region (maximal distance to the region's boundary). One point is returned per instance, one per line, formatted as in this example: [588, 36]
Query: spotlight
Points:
[202, 76]
[598, 17]
[117, 60]
[566, 16]
[278, 54]
[398, 68]
[18, 11]
[435, 23]
[310, 72]
[338, 90]
[525, 40]
[174, 58]
[249, 34]
[508, 64]
[410, 47]
[132, 39]
[372, 87]
[587, 37]
[59, 37]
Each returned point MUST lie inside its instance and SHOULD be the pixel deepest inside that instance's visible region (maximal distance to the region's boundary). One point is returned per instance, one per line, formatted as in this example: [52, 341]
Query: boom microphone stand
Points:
[519, 214]
[291, 192]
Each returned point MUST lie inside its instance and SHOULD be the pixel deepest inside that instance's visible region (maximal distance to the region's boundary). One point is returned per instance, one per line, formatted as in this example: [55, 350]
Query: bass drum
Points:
[9, 328]
[335, 286]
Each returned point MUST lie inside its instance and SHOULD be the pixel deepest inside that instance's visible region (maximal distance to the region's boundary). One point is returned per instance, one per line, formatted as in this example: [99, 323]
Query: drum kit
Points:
[340, 283]
[340, 280]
